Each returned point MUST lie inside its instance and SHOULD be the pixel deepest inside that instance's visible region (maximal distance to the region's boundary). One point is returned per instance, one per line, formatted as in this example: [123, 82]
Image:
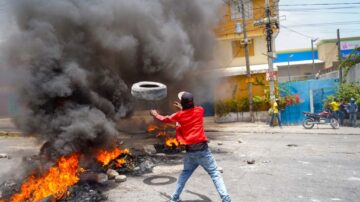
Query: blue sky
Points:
[290, 40]
[286, 39]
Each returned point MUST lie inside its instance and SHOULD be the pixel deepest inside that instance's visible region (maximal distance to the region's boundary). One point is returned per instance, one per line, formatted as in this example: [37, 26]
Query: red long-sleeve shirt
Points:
[191, 121]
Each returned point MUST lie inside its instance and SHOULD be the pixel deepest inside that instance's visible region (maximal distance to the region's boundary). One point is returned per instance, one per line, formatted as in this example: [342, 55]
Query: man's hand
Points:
[153, 112]
[177, 105]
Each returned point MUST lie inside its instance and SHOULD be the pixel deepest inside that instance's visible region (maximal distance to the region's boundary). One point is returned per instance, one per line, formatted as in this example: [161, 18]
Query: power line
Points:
[304, 35]
[320, 4]
[326, 24]
[324, 8]
[324, 11]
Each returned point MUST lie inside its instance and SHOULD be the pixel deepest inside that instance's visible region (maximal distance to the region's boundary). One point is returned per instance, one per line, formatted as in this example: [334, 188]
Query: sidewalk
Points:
[260, 127]
[7, 128]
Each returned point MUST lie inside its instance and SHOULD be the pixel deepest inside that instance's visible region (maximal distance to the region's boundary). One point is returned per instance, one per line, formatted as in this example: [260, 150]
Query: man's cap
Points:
[352, 99]
[185, 96]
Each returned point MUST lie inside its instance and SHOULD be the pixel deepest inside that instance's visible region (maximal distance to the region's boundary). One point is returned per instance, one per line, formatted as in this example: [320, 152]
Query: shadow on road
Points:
[203, 198]
[153, 181]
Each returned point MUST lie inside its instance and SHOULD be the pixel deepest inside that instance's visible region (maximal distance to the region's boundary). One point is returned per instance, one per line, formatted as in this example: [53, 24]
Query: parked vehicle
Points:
[321, 118]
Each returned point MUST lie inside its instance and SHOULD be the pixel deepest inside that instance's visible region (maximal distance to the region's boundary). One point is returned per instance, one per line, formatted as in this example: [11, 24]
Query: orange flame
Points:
[105, 157]
[171, 141]
[120, 162]
[54, 183]
[160, 130]
[151, 128]
[161, 133]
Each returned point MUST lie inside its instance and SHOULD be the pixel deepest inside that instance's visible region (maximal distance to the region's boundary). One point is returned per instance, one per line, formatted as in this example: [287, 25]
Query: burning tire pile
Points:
[67, 181]
[72, 63]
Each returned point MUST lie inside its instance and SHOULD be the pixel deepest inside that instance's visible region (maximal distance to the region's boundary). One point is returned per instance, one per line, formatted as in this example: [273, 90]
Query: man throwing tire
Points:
[191, 133]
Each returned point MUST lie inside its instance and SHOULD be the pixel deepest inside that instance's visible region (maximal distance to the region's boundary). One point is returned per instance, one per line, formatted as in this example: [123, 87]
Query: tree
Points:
[347, 91]
[351, 60]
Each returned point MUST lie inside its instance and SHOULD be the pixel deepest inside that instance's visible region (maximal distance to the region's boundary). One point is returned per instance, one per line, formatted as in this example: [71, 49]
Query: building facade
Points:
[298, 64]
[230, 54]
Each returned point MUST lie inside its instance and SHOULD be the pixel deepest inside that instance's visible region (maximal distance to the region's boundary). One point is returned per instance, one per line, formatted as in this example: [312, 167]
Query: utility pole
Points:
[339, 55]
[267, 21]
[247, 61]
[313, 56]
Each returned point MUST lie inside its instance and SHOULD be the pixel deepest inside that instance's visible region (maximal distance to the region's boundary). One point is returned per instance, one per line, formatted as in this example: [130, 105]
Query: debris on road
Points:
[250, 161]
[120, 178]
[292, 145]
[3, 156]
[220, 169]
[149, 149]
[112, 173]
[220, 143]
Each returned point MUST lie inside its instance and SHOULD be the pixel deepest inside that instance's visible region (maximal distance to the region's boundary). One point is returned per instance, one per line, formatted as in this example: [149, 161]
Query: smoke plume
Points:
[75, 60]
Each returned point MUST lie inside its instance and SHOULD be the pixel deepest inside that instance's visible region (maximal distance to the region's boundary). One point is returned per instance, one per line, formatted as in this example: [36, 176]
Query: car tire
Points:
[149, 90]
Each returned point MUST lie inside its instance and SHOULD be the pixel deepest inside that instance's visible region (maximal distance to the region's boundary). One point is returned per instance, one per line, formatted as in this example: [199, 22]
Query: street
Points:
[296, 167]
[100, 99]
[288, 167]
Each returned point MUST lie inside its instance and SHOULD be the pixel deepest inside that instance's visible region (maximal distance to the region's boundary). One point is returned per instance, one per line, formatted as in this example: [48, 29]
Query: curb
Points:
[281, 132]
[10, 134]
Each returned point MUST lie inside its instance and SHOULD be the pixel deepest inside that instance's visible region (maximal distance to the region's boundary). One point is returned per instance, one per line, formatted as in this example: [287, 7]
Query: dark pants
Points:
[352, 119]
[342, 117]
[277, 115]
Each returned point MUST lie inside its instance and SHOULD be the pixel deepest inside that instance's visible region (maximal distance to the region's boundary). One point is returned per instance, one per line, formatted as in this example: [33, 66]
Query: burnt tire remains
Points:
[148, 90]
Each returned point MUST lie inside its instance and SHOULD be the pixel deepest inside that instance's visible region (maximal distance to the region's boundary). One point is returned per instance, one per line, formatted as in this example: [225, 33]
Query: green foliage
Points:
[257, 102]
[350, 61]
[287, 98]
[224, 107]
[347, 91]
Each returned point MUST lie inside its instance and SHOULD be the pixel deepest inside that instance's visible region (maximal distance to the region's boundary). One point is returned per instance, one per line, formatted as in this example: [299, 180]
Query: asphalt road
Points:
[294, 167]
[288, 167]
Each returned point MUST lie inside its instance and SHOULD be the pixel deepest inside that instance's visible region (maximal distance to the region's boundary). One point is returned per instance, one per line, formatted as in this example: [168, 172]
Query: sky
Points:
[293, 17]
[306, 22]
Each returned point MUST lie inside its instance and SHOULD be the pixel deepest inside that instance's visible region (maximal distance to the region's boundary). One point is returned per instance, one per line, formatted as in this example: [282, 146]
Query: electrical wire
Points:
[318, 9]
[320, 4]
[325, 24]
[299, 33]
[324, 11]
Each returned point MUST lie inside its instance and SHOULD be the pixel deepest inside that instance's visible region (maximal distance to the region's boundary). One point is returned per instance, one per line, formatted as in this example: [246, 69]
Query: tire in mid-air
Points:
[308, 123]
[149, 90]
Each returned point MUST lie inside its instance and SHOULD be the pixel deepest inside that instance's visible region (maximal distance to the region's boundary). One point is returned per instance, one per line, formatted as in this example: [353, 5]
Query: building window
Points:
[239, 50]
[236, 9]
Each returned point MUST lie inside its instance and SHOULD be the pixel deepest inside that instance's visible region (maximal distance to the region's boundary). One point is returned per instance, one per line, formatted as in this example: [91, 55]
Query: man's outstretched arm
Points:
[165, 119]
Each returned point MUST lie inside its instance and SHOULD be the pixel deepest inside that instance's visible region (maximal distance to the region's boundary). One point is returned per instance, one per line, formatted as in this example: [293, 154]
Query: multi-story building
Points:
[230, 54]
[299, 64]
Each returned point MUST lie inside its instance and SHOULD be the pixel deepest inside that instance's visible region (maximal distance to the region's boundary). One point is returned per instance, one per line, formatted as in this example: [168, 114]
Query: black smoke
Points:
[75, 60]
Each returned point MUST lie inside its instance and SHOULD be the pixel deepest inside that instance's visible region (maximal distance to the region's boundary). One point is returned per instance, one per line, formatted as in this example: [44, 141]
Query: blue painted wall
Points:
[297, 56]
[292, 115]
[304, 55]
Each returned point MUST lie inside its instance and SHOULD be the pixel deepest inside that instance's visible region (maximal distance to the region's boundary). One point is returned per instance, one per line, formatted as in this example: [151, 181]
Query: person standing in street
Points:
[275, 113]
[191, 133]
[352, 109]
[342, 112]
[335, 106]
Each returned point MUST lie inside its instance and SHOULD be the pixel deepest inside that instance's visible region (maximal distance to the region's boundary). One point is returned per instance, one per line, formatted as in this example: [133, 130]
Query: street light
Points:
[290, 56]
[313, 57]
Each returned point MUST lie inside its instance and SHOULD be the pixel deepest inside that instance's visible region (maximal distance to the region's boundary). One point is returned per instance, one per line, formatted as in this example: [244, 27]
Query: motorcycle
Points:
[321, 118]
